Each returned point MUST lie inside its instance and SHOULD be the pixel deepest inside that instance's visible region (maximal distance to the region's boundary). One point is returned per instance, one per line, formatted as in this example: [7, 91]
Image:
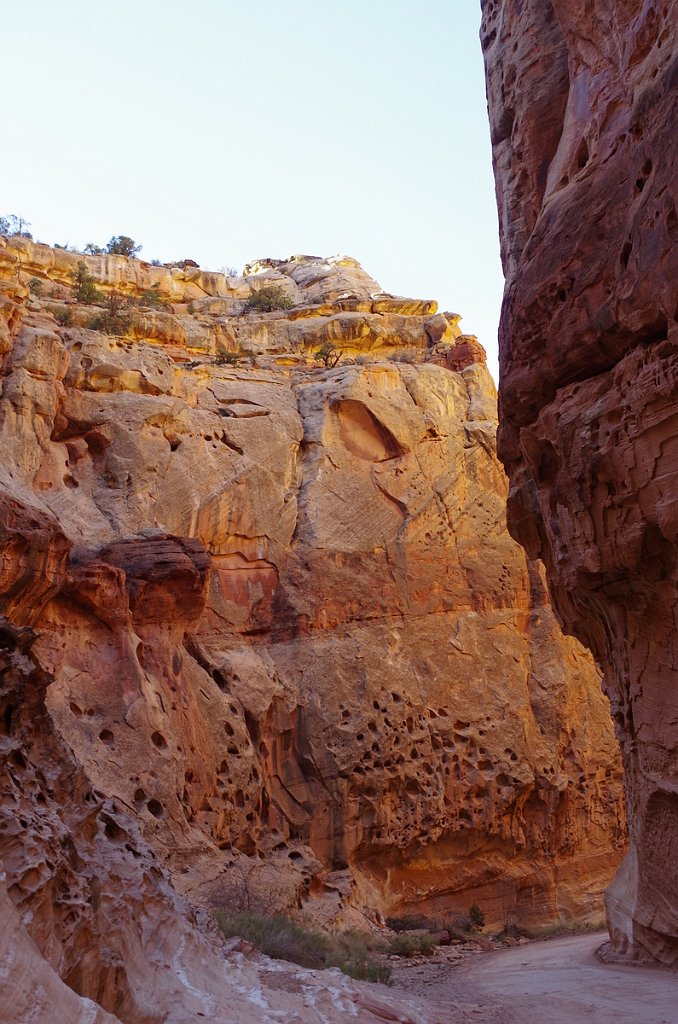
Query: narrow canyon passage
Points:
[559, 981]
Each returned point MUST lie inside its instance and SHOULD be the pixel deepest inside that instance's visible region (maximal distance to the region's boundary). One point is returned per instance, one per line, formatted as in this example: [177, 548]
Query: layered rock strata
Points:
[583, 108]
[268, 643]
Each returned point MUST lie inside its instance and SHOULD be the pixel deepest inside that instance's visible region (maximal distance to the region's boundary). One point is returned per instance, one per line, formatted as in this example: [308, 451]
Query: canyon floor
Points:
[558, 981]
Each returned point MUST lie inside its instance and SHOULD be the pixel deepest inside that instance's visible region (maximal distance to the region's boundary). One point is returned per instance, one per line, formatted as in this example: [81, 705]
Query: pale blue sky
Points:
[223, 131]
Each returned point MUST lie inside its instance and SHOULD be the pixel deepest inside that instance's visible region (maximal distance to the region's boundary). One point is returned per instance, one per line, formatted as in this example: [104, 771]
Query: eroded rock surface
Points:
[583, 107]
[267, 641]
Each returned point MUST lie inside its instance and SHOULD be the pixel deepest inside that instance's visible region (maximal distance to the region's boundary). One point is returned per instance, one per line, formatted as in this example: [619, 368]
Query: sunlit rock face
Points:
[267, 641]
[583, 110]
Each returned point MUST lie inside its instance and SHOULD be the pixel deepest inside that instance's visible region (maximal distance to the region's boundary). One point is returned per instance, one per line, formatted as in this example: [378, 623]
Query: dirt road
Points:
[555, 982]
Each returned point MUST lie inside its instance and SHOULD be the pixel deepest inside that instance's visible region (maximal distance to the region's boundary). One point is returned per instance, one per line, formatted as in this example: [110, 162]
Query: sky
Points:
[226, 131]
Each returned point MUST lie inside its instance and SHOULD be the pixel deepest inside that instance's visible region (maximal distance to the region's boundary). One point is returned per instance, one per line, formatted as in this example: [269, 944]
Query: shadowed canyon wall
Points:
[583, 107]
[266, 638]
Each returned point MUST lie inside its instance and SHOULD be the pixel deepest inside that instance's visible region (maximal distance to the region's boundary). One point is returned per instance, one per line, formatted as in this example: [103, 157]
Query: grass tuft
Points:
[282, 939]
[406, 944]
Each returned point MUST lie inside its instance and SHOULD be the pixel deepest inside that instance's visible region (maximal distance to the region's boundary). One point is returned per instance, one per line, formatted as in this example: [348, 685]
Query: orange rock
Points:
[270, 645]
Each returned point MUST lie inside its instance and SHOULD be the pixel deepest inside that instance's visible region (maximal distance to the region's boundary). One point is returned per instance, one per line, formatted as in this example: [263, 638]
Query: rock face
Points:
[267, 642]
[583, 108]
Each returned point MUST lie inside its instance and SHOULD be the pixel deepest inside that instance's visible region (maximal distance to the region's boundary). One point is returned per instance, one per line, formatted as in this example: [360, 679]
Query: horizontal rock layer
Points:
[583, 108]
[268, 623]
[333, 302]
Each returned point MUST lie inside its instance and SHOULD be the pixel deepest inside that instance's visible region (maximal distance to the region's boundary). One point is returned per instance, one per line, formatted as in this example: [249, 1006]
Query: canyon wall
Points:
[267, 642]
[583, 110]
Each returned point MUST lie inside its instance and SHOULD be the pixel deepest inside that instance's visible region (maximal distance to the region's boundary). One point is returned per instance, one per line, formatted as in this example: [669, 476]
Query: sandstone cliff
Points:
[265, 635]
[583, 107]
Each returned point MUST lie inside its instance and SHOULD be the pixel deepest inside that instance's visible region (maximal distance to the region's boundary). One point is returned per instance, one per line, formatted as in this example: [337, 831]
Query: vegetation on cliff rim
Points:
[118, 245]
[11, 224]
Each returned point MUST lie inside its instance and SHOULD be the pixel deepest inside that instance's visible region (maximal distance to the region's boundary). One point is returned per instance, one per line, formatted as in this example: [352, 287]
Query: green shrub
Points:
[268, 298]
[227, 359]
[282, 939]
[36, 286]
[84, 288]
[13, 225]
[122, 245]
[459, 925]
[353, 956]
[115, 318]
[407, 944]
[277, 937]
[93, 250]
[328, 354]
[408, 922]
[62, 314]
[477, 916]
[152, 297]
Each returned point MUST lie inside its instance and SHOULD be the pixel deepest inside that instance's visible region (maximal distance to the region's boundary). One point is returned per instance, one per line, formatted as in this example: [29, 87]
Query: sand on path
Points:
[559, 981]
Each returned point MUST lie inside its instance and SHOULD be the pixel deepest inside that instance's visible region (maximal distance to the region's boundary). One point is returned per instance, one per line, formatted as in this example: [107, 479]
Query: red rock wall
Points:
[268, 641]
[583, 102]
